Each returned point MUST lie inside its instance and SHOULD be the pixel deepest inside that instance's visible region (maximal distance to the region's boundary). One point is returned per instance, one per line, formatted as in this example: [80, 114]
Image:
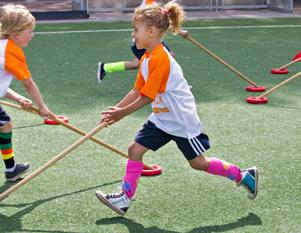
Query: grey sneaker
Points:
[100, 72]
[20, 169]
[250, 181]
[119, 202]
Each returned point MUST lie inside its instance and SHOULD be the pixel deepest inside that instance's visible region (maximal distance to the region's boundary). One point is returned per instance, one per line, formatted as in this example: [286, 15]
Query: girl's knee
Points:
[199, 163]
[132, 149]
[136, 151]
[8, 127]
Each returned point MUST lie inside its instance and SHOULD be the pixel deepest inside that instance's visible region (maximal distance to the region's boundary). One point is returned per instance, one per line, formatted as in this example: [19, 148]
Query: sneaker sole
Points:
[101, 197]
[252, 196]
[98, 79]
[18, 176]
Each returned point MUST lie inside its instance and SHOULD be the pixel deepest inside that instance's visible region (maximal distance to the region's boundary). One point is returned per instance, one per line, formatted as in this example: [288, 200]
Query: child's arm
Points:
[121, 110]
[129, 98]
[33, 90]
[23, 101]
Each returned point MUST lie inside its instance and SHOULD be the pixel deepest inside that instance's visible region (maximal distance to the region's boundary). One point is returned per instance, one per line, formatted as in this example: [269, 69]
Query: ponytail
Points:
[176, 16]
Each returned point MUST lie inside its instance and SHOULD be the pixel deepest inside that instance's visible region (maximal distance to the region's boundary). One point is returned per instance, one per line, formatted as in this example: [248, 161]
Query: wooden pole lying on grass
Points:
[279, 85]
[52, 161]
[187, 36]
[289, 64]
[36, 111]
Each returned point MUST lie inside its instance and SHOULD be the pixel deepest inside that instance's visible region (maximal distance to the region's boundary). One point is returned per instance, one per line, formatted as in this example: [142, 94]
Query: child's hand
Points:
[45, 112]
[25, 103]
[112, 115]
[183, 33]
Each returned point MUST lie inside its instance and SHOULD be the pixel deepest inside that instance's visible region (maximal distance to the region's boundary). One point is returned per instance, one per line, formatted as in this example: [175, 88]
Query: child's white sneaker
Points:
[119, 202]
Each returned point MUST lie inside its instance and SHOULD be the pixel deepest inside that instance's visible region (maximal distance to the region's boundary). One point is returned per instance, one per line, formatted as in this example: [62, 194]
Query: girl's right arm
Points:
[129, 98]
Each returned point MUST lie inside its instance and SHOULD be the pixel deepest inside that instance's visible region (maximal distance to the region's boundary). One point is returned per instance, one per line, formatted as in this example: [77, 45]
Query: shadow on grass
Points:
[28, 126]
[134, 227]
[14, 223]
[251, 219]
[7, 185]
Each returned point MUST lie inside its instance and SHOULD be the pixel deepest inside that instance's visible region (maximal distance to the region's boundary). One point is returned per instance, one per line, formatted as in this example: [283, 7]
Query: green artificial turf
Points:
[62, 198]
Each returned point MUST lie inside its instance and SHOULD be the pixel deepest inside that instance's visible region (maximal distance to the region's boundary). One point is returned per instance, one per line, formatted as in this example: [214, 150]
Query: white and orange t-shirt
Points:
[12, 64]
[147, 2]
[161, 78]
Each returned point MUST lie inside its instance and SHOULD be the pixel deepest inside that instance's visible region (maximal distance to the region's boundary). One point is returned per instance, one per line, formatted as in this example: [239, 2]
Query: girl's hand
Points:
[25, 103]
[45, 112]
[183, 33]
[112, 115]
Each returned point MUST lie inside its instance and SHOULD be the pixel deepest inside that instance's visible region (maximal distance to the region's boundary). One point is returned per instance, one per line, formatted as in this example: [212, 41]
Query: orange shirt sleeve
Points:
[15, 61]
[158, 73]
[149, 2]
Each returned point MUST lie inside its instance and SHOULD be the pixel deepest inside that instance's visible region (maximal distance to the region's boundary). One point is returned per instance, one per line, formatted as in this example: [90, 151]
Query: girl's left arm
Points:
[22, 100]
[33, 90]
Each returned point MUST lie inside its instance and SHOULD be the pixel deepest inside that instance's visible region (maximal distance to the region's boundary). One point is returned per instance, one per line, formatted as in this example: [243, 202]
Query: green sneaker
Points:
[250, 181]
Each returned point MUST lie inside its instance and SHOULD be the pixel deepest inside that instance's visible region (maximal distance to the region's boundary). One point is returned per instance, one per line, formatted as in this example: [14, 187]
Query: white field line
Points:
[187, 28]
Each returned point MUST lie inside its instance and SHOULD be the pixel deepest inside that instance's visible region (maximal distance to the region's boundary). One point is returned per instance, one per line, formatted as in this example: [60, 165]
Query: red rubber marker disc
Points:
[256, 100]
[282, 71]
[297, 56]
[48, 121]
[157, 170]
[255, 89]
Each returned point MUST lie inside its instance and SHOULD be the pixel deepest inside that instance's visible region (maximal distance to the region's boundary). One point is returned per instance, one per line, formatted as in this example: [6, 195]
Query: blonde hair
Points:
[169, 17]
[15, 18]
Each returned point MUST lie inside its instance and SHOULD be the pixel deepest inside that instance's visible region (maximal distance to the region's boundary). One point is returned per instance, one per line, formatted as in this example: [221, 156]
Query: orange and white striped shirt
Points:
[147, 2]
[161, 78]
[12, 64]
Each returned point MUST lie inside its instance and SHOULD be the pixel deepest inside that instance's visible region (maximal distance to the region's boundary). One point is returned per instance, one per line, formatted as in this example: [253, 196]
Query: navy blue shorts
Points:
[4, 118]
[140, 52]
[153, 138]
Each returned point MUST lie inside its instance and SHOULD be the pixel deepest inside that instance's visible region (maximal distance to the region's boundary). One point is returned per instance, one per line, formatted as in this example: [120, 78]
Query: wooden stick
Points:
[288, 64]
[36, 111]
[187, 36]
[279, 85]
[32, 109]
[52, 161]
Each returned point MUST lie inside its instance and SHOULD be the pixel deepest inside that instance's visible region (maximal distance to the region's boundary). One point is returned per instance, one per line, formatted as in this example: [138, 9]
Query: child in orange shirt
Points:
[16, 31]
[160, 82]
[147, 2]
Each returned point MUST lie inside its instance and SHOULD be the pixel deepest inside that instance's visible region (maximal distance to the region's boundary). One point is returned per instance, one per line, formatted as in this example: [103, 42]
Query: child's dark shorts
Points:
[154, 138]
[137, 52]
[140, 52]
[4, 118]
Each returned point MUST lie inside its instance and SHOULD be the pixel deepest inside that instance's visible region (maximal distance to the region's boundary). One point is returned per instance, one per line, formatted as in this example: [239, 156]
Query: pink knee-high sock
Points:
[222, 168]
[132, 174]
